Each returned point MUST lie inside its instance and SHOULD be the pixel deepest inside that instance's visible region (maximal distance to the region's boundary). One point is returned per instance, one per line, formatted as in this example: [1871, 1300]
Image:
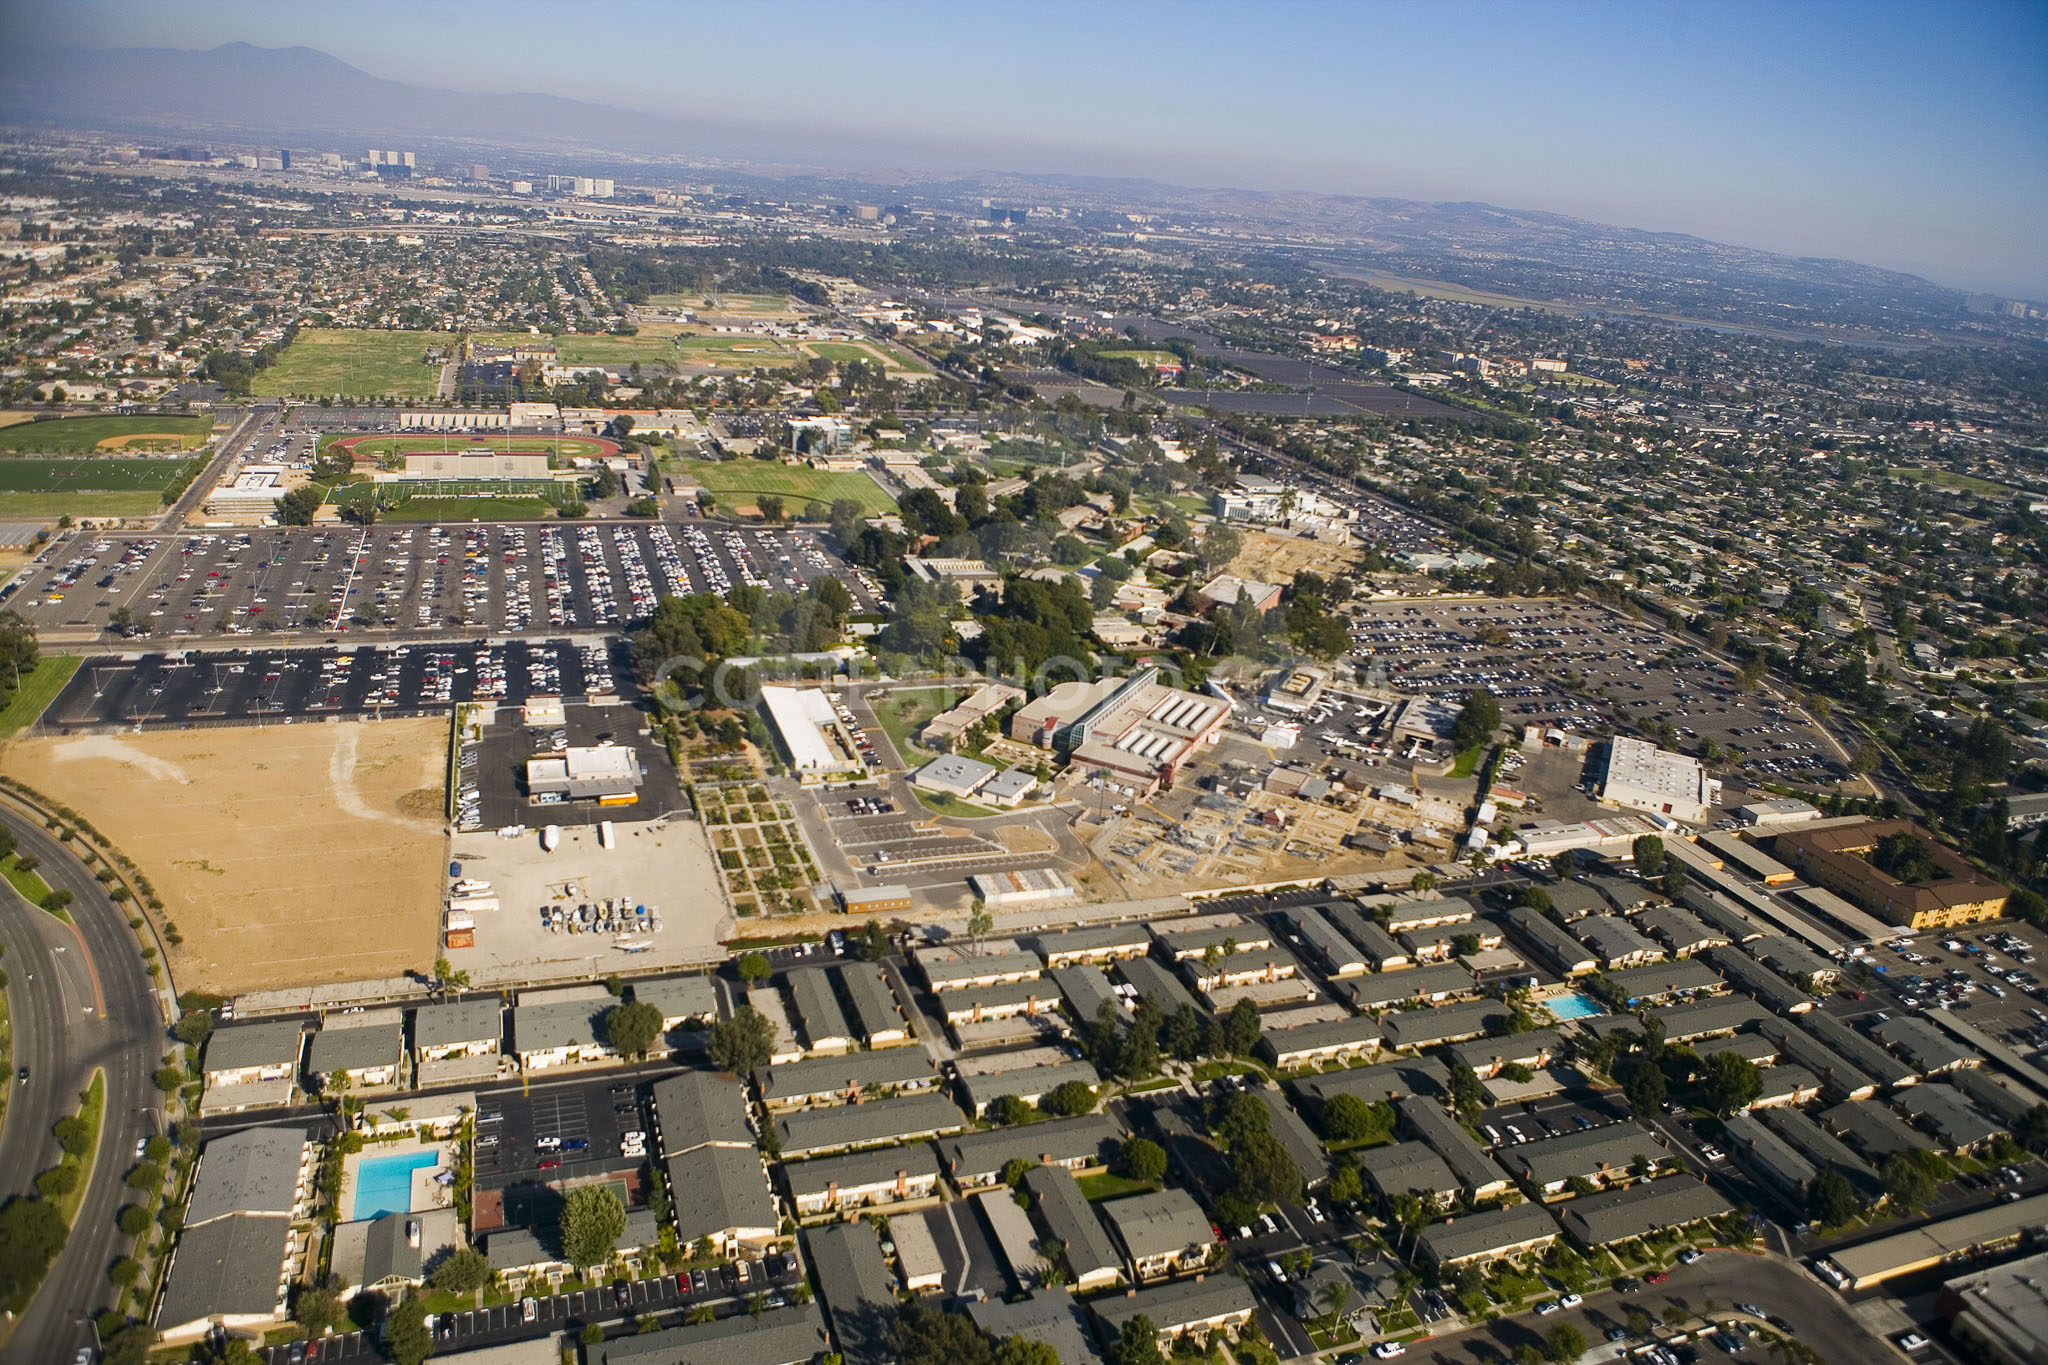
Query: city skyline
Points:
[1890, 135]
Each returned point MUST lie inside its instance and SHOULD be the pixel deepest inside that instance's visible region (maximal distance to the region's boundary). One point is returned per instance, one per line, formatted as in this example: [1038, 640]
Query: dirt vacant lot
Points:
[287, 855]
[1277, 559]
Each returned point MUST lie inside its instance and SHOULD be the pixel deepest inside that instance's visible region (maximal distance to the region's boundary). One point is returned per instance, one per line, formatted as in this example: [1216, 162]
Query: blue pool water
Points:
[1572, 1005]
[384, 1183]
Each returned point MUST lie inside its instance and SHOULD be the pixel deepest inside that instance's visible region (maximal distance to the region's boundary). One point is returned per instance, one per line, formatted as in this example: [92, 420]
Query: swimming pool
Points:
[1572, 1005]
[384, 1183]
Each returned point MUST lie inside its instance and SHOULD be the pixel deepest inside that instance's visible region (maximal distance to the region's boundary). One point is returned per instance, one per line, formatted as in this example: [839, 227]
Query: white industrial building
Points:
[818, 744]
[606, 772]
[1640, 776]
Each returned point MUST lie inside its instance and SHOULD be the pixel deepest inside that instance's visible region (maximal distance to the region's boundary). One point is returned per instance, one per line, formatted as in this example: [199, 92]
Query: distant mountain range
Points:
[299, 96]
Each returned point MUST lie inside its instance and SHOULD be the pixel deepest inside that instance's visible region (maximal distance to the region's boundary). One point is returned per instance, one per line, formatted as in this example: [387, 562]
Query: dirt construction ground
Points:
[287, 855]
[1275, 558]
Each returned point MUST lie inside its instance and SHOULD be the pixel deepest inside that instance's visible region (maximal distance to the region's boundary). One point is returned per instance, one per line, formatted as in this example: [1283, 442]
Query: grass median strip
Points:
[39, 687]
[89, 1113]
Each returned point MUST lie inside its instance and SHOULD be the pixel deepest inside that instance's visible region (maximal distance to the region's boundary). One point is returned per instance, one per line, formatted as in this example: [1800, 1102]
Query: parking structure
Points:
[512, 578]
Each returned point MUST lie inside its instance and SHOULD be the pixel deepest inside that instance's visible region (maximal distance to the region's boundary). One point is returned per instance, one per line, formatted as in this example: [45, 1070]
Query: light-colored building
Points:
[1640, 776]
[818, 743]
[1162, 1233]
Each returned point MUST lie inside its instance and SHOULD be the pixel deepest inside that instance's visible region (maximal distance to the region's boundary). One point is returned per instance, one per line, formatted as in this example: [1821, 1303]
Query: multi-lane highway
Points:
[81, 999]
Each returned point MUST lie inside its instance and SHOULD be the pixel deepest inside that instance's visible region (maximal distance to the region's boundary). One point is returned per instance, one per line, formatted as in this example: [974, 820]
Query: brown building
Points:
[1838, 858]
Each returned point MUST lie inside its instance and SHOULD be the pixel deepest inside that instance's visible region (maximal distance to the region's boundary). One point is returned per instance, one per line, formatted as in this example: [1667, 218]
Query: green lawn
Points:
[30, 474]
[1468, 761]
[142, 433]
[30, 884]
[39, 687]
[738, 481]
[905, 710]
[839, 352]
[597, 348]
[1108, 1185]
[324, 360]
[470, 509]
[1946, 478]
[49, 506]
[378, 447]
[740, 349]
[91, 1111]
[938, 803]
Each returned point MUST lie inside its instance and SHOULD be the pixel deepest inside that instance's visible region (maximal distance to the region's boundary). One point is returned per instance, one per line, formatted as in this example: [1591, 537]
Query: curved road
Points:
[80, 999]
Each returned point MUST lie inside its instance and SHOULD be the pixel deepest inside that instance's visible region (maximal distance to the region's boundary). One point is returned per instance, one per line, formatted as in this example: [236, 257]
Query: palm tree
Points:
[1333, 1296]
[700, 1313]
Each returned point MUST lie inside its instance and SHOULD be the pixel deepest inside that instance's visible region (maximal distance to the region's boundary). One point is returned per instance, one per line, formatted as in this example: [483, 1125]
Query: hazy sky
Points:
[1909, 135]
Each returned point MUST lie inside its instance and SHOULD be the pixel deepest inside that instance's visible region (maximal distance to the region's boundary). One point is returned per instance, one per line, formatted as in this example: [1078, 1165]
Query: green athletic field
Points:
[27, 474]
[426, 443]
[362, 364]
[471, 509]
[137, 435]
[34, 489]
[738, 481]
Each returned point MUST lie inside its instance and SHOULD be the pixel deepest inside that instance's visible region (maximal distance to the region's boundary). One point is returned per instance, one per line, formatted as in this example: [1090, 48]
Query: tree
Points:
[73, 1134]
[133, 1219]
[632, 1028]
[1009, 1110]
[1477, 719]
[1138, 1343]
[360, 511]
[1645, 1089]
[1240, 1116]
[1468, 1094]
[1263, 1171]
[871, 944]
[1832, 1200]
[593, 1220]
[406, 1338]
[1025, 1351]
[754, 968]
[32, 1232]
[743, 1043]
[1144, 1159]
[317, 1310]
[1422, 881]
[1732, 1081]
[1068, 1099]
[925, 1336]
[297, 507]
[1649, 855]
[1347, 1185]
[58, 1181]
[1347, 1118]
[769, 506]
[1241, 1029]
[1563, 1344]
[1907, 1182]
[463, 1271]
[194, 1028]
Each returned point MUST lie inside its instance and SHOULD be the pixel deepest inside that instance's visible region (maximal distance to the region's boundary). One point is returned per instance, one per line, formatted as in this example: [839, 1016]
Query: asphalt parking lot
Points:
[1991, 988]
[1546, 661]
[598, 1112]
[1553, 1117]
[498, 773]
[515, 578]
[276, 685]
